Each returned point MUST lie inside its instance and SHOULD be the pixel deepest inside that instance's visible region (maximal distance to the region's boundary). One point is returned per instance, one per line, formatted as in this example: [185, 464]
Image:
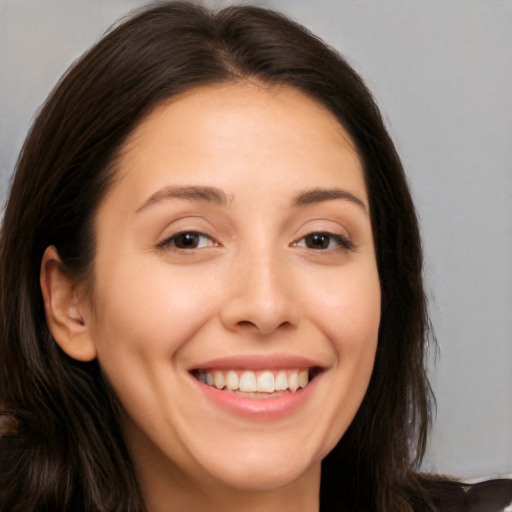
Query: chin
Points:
[264, 477]
[264, 468]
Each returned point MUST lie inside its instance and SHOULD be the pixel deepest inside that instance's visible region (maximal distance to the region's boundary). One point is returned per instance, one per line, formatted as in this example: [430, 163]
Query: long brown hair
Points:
[69, 454]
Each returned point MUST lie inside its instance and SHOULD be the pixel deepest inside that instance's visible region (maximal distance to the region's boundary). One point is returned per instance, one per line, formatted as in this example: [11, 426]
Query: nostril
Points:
[246, 323]
[263, 327]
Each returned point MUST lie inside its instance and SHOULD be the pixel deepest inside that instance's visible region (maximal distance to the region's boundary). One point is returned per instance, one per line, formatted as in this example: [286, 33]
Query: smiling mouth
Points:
[257, 384]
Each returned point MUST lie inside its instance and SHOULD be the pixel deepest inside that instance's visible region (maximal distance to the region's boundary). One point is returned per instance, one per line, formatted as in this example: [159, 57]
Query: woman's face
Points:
[236, 295]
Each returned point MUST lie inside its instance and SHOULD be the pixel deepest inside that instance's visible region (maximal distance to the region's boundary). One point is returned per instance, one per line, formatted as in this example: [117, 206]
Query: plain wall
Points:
[442, 74]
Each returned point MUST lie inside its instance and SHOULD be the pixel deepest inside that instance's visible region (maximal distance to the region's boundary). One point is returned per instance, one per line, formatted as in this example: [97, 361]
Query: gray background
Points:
[442, 73]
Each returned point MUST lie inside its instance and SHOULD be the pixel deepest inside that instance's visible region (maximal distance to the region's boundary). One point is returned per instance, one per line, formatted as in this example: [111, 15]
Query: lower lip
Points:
[265, 409]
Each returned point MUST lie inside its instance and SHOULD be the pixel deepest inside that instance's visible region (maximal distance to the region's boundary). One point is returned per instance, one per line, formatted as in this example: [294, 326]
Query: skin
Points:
[255, 285]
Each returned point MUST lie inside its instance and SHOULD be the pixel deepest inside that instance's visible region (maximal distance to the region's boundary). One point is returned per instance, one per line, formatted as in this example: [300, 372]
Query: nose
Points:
[261, 297]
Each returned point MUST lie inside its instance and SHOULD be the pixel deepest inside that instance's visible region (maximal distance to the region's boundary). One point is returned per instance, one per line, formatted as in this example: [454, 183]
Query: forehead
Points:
[240, 130]
[224, 100]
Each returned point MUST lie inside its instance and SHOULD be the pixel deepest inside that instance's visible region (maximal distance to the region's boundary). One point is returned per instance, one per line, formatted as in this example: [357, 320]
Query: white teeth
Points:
[293, 381]
[265, 382]
[303, 378]
[247, 382]
[232, 381]
[218, 380]
[281, 382]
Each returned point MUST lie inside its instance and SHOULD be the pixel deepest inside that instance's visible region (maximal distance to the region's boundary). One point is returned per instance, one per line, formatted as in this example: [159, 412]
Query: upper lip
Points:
[259, 362]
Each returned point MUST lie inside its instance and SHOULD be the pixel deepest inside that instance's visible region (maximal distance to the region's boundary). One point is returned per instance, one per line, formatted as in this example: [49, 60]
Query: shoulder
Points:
[488, 496]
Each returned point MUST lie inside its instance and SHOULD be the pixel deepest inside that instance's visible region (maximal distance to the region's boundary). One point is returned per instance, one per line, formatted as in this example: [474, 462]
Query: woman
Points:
[218, 276]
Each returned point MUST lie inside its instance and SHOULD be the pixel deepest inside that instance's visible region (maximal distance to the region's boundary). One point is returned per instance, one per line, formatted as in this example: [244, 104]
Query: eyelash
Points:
[170, 243]
[339, 240]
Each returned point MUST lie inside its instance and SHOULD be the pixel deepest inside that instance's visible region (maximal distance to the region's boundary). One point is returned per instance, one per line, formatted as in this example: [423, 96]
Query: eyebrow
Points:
[192, 192]
[319, 195]
[217, 196]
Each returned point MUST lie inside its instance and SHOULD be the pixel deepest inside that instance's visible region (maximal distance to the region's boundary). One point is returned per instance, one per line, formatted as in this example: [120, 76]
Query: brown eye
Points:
[317, 240]
[187, 240]
[322, 241]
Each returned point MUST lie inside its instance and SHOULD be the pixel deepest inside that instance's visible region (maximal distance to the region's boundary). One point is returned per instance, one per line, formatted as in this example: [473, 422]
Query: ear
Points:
[65, 308]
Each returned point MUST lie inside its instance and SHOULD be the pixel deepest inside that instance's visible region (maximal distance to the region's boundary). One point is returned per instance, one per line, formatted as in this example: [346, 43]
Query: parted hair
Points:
[62, 448]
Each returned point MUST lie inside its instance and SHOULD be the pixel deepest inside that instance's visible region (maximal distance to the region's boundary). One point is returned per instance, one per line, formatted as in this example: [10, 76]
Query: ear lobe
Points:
[64, 308]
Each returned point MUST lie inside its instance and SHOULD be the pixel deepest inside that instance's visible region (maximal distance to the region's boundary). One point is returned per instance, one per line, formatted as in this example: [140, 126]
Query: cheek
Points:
[355, 339]
[142, 325]
[348, 313]
[348, 310]
[146, 316]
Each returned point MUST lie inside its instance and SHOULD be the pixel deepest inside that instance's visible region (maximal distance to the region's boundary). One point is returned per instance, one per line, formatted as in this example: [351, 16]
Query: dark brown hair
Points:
[70, 454]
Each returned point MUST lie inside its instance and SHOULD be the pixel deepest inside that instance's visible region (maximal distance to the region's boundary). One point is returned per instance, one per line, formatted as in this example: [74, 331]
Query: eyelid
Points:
[342, 241]
[170, 241]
